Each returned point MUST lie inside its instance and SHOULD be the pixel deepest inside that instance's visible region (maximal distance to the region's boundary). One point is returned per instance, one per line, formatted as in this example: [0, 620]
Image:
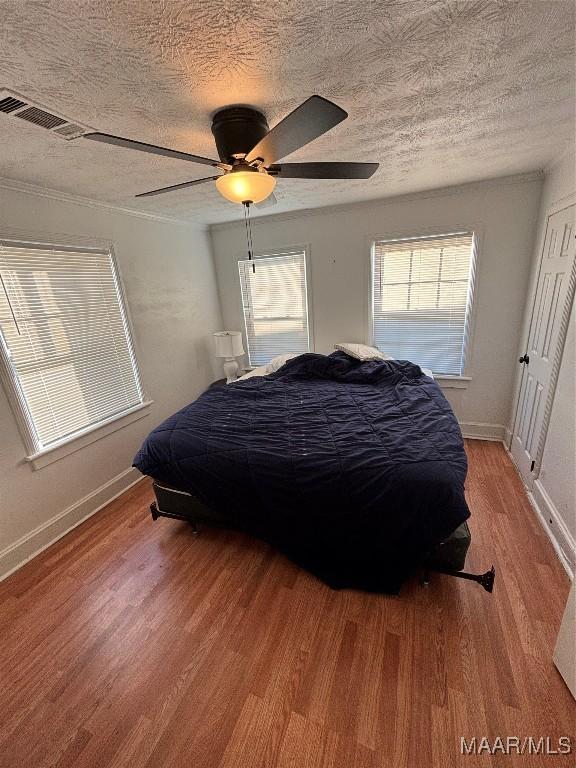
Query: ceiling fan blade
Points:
[268, 202]
[308, 121]
[152, 149]
[324, 170]
[174, 187]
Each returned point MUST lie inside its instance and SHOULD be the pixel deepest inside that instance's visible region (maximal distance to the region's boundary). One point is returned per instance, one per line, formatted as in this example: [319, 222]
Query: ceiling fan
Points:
[249, 151]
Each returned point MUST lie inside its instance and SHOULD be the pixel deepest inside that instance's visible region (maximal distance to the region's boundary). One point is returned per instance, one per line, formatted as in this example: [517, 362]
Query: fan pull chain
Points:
[250, 242]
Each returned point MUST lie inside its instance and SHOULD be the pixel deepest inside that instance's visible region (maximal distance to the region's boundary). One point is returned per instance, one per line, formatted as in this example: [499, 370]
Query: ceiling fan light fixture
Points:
[246, 186]
[249, 151]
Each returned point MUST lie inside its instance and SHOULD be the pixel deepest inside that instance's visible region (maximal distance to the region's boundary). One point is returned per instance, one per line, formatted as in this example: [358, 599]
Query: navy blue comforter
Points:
[354, 470]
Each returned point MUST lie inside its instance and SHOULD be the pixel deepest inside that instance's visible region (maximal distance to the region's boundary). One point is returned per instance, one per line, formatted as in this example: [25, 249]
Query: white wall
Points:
[503, 213]
[555, 487]
[168, 276]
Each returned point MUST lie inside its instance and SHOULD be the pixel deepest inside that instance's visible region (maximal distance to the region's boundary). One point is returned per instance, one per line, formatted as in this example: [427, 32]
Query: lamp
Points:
[229, 346]
[246, 186]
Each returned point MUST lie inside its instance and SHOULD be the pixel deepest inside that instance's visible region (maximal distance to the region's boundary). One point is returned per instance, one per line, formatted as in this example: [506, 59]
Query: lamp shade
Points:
[246, 186]
[228, 344]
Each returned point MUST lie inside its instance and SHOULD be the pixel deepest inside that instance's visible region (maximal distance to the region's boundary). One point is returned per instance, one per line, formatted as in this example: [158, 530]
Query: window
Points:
[421, 299]
[65, 341]
[274, 299]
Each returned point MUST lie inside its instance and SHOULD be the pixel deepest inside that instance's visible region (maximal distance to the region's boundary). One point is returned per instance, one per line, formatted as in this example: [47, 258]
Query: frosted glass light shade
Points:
[246, 186]
[228, 344]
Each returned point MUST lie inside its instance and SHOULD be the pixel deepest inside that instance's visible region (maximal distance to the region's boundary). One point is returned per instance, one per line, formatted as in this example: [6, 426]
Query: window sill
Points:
[452, 382]
[64, 448]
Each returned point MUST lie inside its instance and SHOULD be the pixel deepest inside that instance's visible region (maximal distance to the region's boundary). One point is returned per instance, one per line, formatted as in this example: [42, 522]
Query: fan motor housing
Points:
[236, 130]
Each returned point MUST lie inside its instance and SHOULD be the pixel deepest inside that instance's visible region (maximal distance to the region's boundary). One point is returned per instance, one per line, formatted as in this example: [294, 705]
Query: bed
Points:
[355, 470]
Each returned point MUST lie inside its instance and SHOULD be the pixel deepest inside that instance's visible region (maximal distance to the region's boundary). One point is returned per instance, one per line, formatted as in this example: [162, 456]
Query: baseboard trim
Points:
[31, 544]
[561, 538]
[475, 430]
[543, 506]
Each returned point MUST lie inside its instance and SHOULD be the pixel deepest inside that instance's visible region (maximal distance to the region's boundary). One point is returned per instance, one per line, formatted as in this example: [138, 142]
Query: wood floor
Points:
[133, 643]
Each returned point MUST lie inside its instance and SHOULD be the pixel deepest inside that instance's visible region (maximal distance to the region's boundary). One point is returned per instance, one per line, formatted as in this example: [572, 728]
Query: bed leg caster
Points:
[195, 528]
[486, 580]
[425, 578]
[154, 511]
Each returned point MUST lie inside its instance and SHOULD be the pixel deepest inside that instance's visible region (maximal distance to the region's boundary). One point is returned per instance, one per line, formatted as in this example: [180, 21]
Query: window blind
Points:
[66, 339]
[421, 298]
[274, 301]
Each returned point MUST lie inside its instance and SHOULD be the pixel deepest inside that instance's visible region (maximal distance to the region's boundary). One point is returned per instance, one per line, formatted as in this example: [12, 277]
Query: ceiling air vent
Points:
[41, 118]
[9, 104]
[16, 105]
[70, 131]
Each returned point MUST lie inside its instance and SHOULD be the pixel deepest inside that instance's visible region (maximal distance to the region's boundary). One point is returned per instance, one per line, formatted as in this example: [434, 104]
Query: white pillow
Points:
[271, 367]
[260, 371]
[361, 351]
[279, 360]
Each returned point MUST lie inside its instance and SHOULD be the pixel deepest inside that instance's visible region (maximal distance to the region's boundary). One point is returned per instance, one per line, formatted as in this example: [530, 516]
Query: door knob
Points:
[524, 359]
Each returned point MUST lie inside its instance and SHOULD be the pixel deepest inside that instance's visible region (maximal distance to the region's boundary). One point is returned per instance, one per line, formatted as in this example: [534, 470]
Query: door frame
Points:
[553, 208]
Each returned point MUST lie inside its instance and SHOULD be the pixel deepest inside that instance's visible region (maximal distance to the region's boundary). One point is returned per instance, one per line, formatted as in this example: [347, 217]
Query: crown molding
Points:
[518, 178]
[12, 185]
[66, 197]
[561, 156]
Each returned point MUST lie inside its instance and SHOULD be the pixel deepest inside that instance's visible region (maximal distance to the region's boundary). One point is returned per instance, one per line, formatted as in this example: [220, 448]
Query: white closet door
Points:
[541, 361]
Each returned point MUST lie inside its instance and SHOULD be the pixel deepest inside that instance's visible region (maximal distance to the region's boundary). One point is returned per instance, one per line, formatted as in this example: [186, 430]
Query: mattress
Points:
[354, 469]
[262, 370]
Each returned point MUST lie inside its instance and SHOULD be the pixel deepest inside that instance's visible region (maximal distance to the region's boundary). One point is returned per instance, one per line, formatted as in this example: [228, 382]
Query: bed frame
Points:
[448, 558]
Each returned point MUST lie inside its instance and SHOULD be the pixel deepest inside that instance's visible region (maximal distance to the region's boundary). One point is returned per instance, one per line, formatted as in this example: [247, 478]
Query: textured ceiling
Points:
[438, 91]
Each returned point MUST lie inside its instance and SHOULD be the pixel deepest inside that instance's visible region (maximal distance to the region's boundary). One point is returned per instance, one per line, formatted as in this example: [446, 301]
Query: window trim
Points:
[39, 456]
[85, 437]
[476, 229]
[271, 253]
